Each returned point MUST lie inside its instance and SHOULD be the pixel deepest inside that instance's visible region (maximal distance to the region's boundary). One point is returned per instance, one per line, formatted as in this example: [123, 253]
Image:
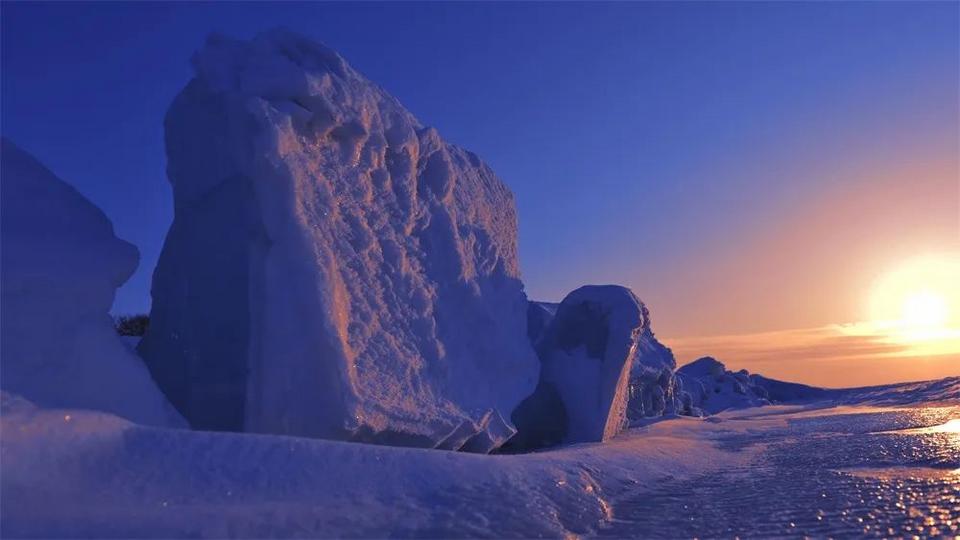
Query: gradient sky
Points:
[745, 167]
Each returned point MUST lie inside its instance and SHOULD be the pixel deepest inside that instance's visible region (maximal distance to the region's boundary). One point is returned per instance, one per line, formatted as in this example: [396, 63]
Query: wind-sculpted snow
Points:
[335, 269]
[597, 339]
[60, 267]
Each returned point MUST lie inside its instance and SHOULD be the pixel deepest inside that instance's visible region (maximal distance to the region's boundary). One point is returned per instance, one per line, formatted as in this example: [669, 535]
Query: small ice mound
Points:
[713, 388]
[585, 354]
[61, 266]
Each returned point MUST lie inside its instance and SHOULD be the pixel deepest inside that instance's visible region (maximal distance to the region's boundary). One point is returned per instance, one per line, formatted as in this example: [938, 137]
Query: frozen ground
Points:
[814, 469]
[839, 472]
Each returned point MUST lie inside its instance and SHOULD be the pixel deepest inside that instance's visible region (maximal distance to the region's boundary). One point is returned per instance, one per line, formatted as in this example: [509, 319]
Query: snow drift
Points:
[77, 474]
[60, 267]
[334, 269]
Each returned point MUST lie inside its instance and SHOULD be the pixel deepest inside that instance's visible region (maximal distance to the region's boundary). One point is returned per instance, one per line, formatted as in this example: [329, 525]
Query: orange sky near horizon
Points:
[798, 284]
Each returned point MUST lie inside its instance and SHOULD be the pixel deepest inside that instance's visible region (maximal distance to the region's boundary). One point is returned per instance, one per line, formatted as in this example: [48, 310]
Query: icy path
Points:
[836, 472]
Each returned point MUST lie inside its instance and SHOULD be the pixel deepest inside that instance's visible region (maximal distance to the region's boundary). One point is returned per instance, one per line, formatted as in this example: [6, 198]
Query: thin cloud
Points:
[835, 355]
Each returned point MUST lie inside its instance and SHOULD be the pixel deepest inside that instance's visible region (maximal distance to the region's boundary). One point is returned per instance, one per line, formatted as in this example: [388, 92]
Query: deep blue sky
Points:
[646, 143]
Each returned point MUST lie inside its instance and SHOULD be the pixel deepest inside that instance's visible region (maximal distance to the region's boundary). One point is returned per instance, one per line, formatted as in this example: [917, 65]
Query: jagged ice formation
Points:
[334, 269]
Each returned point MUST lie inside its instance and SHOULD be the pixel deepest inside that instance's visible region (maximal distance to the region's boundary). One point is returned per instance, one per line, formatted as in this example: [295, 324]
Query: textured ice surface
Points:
[710, 387]
[654, 390]
[61, 265]
[838, 473]
[586, 353]
[713, 388]
[334, 269]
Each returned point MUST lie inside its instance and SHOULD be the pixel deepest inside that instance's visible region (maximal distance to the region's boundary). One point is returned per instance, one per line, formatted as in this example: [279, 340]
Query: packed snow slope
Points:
[59, 270]
[87, 475]
[334, 269]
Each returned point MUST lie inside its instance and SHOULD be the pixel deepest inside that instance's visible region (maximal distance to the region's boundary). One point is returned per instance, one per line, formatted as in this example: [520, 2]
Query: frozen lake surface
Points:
[869, 474]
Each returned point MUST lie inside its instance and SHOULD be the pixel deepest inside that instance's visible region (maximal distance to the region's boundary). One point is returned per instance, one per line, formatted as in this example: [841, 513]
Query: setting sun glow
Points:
[918, 304]
[925, 308]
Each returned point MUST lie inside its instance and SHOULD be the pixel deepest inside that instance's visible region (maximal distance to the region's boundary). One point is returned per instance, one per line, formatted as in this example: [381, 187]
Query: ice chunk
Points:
[61, 266]
[654, 391]
[334, 269]
[586, 353]
[713, 388]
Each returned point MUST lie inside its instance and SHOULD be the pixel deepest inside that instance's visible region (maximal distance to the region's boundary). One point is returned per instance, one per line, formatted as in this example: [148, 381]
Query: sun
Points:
[917, 304]
[925, 308]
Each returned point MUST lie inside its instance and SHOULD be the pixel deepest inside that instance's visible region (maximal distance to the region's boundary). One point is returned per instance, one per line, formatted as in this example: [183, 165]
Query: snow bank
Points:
[87, 475]
[334, 269]
[60, 267]
[586, 352]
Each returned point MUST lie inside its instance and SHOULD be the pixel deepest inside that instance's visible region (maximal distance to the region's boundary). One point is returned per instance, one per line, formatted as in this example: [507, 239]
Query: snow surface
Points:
[60, 267]
[82, 475]
[334, 269]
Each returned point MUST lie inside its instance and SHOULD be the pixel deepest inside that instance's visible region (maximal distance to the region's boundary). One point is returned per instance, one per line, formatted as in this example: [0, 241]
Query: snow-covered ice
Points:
[60, 267]
[602, 369]
[710, 388]
[713, 388]
[586, 350]
[654, 390]
[815, 469]
[335, 269]
[80, 474]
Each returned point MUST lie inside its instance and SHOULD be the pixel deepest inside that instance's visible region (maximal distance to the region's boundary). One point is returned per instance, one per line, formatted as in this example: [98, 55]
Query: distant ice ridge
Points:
[60, 267]
[334, 269]
[713, 388]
